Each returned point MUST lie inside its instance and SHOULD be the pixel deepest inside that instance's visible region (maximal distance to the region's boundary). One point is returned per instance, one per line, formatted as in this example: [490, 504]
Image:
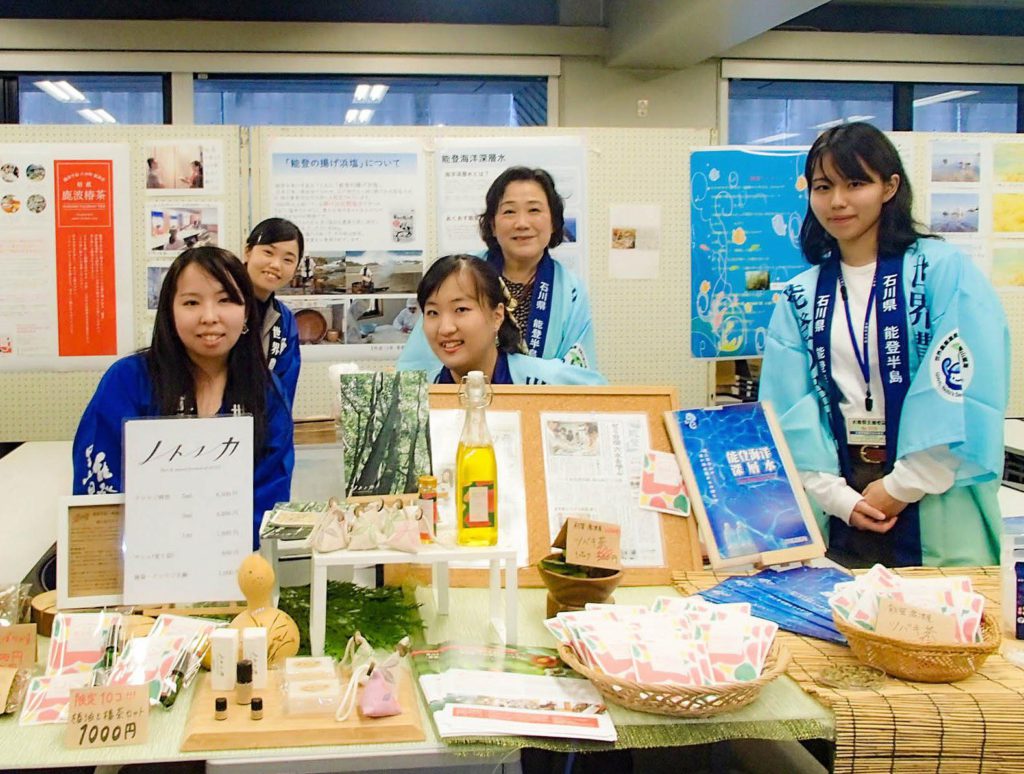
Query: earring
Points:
[245, 328]
[497, 341]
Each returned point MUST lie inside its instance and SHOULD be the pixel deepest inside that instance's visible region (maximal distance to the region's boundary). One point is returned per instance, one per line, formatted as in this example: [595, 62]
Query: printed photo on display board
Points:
[173, 227]
[381, 320]
[155, 273]
[184, 166]
[744, 488]
[357, 272]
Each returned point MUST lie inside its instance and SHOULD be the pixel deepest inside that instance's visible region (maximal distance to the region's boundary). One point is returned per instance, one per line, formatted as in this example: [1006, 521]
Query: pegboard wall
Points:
[46, 405]
[642, 334]
[642, 338]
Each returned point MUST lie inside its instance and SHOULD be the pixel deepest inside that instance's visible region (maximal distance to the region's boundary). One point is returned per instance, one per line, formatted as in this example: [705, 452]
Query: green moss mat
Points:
[383, 615]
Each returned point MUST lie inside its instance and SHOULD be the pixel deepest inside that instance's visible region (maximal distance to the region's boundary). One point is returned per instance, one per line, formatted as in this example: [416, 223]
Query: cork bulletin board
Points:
[679, 535]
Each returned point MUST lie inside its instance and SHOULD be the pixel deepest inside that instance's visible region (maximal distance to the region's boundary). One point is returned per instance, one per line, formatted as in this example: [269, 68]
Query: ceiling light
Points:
[365, 115]
[53, 90]
[829, 124]
[351, 116]
[90, 115]
[105, 116]
[377, 92]
[943, 97]
[774, 138]
[362, 93]
[75, 94]
[851, 119]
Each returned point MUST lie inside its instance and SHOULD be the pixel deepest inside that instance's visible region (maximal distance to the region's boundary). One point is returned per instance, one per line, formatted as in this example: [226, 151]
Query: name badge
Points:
[865, 431]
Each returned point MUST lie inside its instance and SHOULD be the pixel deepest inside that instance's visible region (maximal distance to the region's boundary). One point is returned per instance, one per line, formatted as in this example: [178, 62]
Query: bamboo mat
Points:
[975, 725]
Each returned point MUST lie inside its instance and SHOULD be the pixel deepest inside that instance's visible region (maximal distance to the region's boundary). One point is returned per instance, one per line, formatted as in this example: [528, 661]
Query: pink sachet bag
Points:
[380, 694]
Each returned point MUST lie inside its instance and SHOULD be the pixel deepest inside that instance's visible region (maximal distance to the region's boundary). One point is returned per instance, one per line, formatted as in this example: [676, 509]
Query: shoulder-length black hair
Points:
[173, 372]
[856, 150]
[497, 190]
[488, 286]
[272, 230]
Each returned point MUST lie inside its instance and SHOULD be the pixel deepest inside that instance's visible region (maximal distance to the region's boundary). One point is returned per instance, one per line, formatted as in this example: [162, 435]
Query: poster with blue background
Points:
[746, 498]
[747, 205]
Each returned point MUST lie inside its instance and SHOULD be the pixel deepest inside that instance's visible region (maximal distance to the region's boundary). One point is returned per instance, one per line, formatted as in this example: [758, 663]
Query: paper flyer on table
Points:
[592, 466]
[661, 484]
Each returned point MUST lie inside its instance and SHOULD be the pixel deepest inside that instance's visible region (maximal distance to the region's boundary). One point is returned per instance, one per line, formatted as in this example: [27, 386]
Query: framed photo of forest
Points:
[384, 431]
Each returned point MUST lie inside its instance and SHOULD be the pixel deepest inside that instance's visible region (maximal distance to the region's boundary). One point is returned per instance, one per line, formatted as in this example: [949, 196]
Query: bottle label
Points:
[480, 507]
[428, 516]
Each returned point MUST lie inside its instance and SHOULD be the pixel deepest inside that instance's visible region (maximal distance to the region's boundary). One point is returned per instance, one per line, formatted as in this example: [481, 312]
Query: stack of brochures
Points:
[795, 599]
[481, 691]
[683, 641]
[292, 521]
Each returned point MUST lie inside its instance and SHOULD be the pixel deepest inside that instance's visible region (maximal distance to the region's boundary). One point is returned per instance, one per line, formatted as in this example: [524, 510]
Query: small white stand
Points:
[438, 556]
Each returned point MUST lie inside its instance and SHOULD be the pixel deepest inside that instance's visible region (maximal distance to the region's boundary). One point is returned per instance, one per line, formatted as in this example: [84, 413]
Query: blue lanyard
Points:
[862, 359]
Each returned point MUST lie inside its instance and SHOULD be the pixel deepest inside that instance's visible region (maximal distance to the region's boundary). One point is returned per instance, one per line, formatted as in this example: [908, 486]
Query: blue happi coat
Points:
[953, 348]
[523, 369]
[567, 335]
[280, 337]
[126, 392]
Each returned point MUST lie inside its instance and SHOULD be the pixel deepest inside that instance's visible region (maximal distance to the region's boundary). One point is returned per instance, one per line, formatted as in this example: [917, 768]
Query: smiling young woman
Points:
[887, 329]
[466, 325]
[272, 254]
[523, 219]
[205, 359]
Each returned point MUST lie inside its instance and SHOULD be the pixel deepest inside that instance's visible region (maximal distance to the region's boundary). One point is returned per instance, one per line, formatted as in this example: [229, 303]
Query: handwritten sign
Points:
[108, 716]
[18, 645]
[914, 624]
[188, 507]
[593, 543]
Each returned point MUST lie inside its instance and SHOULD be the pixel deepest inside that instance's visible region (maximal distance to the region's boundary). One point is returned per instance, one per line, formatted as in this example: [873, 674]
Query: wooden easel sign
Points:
[745, 489]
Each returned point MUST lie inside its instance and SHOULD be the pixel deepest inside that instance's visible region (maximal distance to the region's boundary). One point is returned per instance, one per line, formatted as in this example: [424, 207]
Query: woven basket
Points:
[679, 700]
[922, 663]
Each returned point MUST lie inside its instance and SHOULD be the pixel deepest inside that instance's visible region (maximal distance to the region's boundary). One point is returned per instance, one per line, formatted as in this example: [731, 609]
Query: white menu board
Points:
[188, 507]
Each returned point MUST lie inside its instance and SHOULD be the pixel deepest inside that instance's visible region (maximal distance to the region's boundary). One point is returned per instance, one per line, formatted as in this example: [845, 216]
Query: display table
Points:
[971, 725]
[783, 712]
[438, 557]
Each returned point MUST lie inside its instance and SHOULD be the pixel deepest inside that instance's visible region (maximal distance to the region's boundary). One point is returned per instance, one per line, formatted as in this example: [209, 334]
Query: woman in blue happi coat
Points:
[887, 362]
[524, 218]
[466, 325]
[272, 254]
[205, 359]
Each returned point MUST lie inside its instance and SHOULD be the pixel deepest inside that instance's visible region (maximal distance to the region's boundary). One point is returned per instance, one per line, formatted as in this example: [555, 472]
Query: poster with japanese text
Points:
[188, 508]
[747, 206]
[465, 168]
[65, 213]
[743, 486]
[361, 204]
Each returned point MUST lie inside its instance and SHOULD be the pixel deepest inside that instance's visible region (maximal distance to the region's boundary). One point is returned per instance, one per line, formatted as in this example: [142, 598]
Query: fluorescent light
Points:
[773, 138]
[943, 97]
[53, 90]
[851, 119]
[365, 115]
[362, 93]
[351, 116]
[829, 124]
[377, 92]
[75, 94]
[90, 115]
[105, 116]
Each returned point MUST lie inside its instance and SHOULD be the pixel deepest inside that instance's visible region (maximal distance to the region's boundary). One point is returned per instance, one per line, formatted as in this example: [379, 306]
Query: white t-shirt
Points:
[931, 471]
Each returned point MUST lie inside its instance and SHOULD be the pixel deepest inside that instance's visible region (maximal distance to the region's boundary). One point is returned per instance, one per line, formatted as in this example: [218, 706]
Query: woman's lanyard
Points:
[860, 350]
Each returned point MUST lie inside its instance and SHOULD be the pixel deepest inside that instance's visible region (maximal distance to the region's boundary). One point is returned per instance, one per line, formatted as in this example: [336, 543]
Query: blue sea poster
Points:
[746, 208]
[747, 504]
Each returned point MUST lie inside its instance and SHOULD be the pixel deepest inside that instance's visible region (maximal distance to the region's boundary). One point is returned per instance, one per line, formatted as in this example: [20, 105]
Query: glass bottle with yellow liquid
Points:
[476, 472]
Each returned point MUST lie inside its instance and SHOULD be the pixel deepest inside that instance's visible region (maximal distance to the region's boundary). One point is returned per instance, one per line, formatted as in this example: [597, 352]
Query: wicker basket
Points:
[679, 700]
[922, 663]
